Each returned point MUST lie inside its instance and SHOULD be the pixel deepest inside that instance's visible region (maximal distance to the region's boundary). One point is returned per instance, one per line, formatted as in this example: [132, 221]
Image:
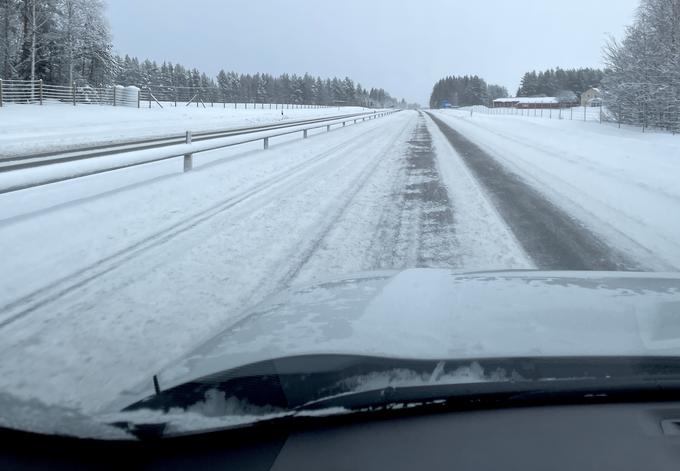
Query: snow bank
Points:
[34, 128]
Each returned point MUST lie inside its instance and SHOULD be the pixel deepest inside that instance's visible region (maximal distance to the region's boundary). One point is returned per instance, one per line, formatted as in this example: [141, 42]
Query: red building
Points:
[543, 102]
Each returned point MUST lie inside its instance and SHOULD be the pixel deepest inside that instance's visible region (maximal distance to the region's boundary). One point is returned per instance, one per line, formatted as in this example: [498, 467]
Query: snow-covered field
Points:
[621, 183]
[33, 128]
[108, 278]
[577, 113]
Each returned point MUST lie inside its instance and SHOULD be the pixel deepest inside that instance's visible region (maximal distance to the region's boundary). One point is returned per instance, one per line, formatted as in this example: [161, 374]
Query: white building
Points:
[591, 97]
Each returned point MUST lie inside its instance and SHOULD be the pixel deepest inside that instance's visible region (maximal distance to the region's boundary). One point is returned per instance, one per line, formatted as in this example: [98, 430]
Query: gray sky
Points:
[402, 46]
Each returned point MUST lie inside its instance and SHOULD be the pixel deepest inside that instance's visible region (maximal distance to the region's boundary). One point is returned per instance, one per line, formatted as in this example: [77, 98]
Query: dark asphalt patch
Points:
[552, 238]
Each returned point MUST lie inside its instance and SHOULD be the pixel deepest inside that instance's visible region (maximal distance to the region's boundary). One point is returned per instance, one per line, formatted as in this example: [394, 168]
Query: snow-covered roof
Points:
[537, 99]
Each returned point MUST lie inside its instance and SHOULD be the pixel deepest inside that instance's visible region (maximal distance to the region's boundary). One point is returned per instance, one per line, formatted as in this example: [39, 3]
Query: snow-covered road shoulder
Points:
[621, 184]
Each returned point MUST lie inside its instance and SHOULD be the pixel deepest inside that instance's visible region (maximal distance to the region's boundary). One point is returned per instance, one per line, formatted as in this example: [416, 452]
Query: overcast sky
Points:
[402, 46]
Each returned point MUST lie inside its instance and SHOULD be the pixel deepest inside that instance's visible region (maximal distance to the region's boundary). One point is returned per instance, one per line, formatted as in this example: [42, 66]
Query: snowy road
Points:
[552, 237]
[107, 280]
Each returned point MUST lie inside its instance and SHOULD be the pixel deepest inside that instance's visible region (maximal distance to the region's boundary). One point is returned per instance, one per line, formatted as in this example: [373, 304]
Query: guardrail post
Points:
[266, 143]
[73, 92]
[188, 158]
[114, 96]
[40, 91]
[139, 98]
[304, 134]
[328, 128]
[343, 123]
[0, 93]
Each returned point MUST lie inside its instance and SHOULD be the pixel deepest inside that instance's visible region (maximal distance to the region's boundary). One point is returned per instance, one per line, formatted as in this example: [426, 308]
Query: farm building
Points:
[543, 102]
[591, 97]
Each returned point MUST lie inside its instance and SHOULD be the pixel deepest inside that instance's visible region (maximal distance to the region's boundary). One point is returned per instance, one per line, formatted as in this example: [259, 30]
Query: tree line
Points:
[640, 83]
[565, 83]
[67, 41]
[472, 90]
[465, 91]
[170, 81]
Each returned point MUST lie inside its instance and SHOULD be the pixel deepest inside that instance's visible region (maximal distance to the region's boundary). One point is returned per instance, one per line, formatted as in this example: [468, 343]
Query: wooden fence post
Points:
[41, 92]
[0, 93]
[73, 92]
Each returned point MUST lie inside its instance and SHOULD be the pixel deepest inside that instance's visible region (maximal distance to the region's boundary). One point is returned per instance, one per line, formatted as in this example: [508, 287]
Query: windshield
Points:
[190, 190]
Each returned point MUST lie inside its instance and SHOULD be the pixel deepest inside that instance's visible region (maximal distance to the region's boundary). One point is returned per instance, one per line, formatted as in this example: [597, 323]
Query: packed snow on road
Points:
[108, 278]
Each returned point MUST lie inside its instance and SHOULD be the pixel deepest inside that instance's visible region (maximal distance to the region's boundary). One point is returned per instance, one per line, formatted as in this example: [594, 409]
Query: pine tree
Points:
[642, 83]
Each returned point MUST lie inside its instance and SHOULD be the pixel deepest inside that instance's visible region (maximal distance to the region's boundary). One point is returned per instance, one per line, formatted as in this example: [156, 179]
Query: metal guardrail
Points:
[145, 154]
[20, 161]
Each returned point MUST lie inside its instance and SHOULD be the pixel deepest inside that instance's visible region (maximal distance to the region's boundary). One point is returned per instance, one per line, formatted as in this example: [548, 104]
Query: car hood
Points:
[440, 314]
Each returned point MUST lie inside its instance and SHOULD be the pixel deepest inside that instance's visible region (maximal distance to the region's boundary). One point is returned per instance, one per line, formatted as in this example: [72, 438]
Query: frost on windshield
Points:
[35, 416]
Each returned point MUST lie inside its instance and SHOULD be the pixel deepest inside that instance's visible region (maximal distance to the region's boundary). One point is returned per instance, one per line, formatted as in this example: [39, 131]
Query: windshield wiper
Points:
[316, 387]
[436, 398]
[504, 393]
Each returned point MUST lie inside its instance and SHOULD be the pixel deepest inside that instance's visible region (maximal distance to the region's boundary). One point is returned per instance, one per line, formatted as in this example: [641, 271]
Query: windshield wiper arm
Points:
[488, 393]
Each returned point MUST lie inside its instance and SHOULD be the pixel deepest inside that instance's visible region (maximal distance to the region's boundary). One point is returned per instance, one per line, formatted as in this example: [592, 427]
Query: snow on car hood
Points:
[438, 314]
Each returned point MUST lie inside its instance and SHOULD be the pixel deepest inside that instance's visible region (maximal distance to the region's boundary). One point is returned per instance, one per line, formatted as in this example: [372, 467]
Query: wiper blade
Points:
[485, 394]
[440, 397]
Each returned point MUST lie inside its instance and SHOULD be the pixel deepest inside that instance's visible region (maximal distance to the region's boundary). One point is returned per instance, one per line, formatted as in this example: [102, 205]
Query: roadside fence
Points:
[666, 120]
[38, 92]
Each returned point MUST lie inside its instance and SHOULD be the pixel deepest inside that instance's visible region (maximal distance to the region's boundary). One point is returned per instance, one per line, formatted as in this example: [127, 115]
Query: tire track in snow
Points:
[357, 186]
[65, 285]
[122, 331]
[590, 209]
[418, 229]
[552, 238]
